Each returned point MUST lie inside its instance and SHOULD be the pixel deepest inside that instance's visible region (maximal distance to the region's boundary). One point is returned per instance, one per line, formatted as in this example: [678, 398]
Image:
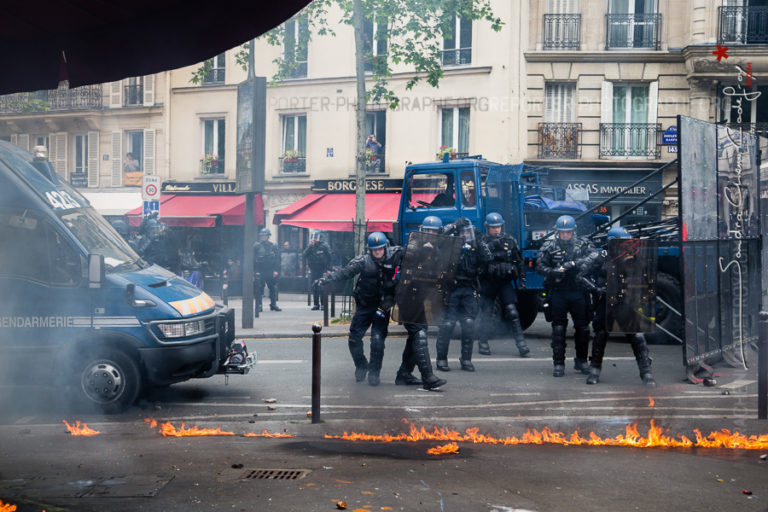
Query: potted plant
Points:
[209, 164]
[291, 156]
[446, 150]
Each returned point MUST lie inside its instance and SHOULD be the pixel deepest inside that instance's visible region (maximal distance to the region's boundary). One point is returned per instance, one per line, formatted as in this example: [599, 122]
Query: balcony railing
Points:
[630, 140]
[298, 70]
[212, 167]
[296, 165]
[457, 57]
[375, 164]
[745, 25]
[214, 76]
[134, 95]
[559, 140]
[633, 31]
[562, 31]
[87, 97]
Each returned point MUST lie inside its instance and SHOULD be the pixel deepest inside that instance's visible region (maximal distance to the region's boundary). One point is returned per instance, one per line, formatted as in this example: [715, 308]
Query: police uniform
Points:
[266, 261]
[560, 262]
[318, 258]
[496, 281]
[463, 300]
[374, 297]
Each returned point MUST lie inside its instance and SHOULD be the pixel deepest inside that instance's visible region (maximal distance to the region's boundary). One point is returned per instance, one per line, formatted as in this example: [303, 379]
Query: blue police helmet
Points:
[565, 223]
[618, 232]
[377, 240]
[264, 232]
[121, 227]
[494, 219]
[431, 223]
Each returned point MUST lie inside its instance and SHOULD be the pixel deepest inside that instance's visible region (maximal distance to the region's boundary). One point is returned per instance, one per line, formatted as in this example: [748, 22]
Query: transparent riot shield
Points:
[631, 286]
[426, 274]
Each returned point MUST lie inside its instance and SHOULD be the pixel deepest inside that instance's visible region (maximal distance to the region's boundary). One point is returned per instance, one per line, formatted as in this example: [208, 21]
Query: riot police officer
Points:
[318, 258]
[560, 261]
[150, 246]
[416, 350]
[374, 296]
[638, 342]
[463, 298]
[266, 263]
[505, 268]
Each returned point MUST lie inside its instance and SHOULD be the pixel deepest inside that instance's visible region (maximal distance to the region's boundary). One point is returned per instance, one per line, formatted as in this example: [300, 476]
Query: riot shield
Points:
[631, 285]
[426, 275]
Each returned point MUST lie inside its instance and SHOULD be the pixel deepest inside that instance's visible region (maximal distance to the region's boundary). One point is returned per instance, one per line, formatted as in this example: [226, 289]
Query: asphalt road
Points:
[129, 466]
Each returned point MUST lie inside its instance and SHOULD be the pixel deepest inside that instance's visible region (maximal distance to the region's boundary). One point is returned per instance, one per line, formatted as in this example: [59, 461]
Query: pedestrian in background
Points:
[266, 263]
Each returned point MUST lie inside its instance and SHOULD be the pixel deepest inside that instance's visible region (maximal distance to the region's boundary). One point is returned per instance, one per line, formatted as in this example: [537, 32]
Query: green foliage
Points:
[24, 103]
[198, 76]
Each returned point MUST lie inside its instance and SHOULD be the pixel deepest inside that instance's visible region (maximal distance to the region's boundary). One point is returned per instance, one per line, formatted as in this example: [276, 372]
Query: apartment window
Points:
[744, 22]
[558, 104]
[375, 150]
[454, 129]
[562, 25]
[633, 24]
[132, 164]
[294, 144]
[558, 134]
[213, 146]
[629, 126]
[375, 40]
[134, 91]
[79, 176]
[295, 43]
[457, 45]
[216, 70]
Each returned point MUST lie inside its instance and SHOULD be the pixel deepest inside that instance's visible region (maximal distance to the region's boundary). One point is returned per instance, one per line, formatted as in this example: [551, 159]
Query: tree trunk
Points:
[359, 228]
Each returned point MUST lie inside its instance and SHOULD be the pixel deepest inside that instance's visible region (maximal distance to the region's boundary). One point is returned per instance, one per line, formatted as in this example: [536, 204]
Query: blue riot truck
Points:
[473, 187]
[82, 312]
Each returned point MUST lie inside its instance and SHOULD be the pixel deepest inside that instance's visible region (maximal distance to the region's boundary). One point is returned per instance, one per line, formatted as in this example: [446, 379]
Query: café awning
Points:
[202, 211]
[336, 212]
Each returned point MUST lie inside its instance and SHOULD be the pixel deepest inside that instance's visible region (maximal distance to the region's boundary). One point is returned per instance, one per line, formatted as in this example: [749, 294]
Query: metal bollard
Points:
[762, 368]
[316, 328]
[325, 309]
[333, 305]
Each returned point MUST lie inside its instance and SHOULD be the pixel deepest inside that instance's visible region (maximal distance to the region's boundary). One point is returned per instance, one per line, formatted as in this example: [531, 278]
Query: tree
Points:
[410, 33]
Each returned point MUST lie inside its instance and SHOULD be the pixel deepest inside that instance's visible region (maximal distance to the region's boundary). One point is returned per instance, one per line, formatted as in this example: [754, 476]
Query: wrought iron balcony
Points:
[87, 97]
[214, 76]
[630, 140]
[625, 31]
[559, 140]
[562, 31]
[293, 165]
[297, 70]
[134, 95]
[744, 25]
[457, 57]
[375, 163]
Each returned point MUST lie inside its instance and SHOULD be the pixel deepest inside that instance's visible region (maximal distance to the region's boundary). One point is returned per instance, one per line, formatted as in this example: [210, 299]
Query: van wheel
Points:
[668, 289]
[108, 381]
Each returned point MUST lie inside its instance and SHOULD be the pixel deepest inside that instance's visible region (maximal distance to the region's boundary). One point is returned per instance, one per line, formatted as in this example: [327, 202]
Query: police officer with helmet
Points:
[598, 273]
[505, 268]
[318, 257]
[266, 263]
[463, 298]
[374, 296]
[560, 261]
[416, 350]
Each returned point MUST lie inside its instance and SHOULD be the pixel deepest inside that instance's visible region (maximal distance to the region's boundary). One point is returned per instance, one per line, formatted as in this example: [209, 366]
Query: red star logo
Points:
[721, 52]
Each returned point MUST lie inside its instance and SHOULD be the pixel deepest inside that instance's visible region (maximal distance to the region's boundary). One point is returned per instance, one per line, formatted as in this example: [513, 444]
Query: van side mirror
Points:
[95, 270]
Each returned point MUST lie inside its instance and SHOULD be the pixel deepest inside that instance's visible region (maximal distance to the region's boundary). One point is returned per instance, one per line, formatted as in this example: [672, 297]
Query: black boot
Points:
[643, 358]
[443, 342]
[407, 379]
[358, 357]
[594, 376]
[421, 350]
[581, 341]
[596, 361]
[558, 350]
[433, 382]
[377, 355]
[483, 347]
[517, 330]
[466, 354]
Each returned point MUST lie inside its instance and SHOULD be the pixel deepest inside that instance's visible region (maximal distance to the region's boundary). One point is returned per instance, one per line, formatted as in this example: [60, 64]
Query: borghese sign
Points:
[372, 185]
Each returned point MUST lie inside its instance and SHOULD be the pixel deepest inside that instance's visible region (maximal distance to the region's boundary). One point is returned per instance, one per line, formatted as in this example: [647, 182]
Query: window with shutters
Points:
[295, 46]
[79, 175]
[558, 134]
[215, 70]
[133, 91]
[213, 146]
[294, 144]
[457, 43]
[454, 130]
[562, 25]
[134, 151]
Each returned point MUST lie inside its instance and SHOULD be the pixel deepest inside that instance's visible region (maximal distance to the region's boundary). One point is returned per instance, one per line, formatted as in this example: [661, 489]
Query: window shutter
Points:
[548, 101]
[606, 102]
[149, 90]
[93, 159]
[59, 161]
[653, 102]
[562, 6]
[149, 152]
[116, 94]
[24, 141]
[117, 159]
[14, 139]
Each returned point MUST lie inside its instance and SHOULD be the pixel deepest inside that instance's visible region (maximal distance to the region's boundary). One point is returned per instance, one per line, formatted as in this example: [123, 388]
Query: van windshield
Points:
[98, 237]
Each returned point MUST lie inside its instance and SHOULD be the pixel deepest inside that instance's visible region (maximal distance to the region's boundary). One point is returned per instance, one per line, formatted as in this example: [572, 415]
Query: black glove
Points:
[558, 273]
[569, 265]
[319, 284]
[461, 222]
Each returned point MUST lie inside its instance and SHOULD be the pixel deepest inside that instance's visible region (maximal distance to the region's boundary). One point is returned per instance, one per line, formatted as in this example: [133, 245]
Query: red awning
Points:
[293, 208]
[201, 211]
[336, 212]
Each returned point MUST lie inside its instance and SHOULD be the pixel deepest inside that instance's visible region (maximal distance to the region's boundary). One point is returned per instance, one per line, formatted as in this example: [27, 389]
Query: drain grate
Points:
[275, 474]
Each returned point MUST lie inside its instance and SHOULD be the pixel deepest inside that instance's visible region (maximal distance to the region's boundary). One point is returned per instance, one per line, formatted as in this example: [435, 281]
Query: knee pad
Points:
[558, 332]
[511, 311]
[420, 340]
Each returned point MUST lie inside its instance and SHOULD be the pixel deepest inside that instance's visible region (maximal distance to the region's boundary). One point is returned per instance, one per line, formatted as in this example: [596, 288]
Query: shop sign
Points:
[350, 185]
[197, 188]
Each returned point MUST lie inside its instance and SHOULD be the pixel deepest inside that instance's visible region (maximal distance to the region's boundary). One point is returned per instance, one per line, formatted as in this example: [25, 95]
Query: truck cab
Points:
[98, 322]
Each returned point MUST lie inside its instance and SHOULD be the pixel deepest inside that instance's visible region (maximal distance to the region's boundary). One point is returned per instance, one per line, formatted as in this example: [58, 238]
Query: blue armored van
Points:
[80, 310]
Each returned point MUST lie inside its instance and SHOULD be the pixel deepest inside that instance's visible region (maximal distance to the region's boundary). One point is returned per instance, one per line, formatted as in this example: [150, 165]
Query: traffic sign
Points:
[151, 206]
[150, 187]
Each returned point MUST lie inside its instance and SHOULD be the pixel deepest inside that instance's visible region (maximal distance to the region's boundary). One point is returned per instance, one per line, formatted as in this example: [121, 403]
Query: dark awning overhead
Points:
[96, 41]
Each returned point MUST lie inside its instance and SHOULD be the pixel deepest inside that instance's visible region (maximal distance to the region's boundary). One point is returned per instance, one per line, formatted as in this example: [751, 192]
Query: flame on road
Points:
[444, 449]
[264, 433]
[77, 430]
[651, 401]
[168, 430]
[655, 438]
[7, 507]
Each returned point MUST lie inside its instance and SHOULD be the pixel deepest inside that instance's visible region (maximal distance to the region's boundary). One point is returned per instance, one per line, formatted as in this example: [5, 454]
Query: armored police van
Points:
[80, 310]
